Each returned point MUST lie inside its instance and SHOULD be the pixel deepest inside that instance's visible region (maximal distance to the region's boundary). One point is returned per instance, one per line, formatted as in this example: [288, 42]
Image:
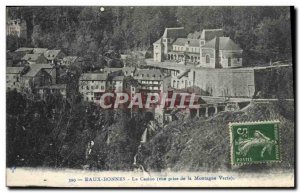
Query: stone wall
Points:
[224, 82]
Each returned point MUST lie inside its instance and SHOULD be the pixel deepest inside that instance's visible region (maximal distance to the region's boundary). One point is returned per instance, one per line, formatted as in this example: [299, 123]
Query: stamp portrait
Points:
[255, 142]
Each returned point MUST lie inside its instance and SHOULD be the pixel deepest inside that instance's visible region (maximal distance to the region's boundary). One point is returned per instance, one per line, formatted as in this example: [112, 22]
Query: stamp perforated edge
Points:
[253, 123]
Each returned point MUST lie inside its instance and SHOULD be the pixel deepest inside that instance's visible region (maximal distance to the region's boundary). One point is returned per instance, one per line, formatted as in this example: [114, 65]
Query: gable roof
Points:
[69, 59]
[225, 43]
[158, 41]
[35, 68]
[118, 78]
[45, 66]
[94, 76]
[128, 69]
[175, 32]
[24, 49]
[39, 50]
[31, 57]
[183, 41]
[208, 34]
[195, 35]
[14, 70]
[51, 54]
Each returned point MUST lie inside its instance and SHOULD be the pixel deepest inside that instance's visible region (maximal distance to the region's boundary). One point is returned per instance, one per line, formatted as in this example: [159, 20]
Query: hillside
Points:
[197, 144]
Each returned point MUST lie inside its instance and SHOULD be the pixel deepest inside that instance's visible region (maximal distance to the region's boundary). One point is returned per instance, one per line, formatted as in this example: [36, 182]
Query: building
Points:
[184, 49]
[207, 49]
[150, 80]
[54, 89]
[35, 77]
[128, 71]
[221, 52]
[13, 78]
[92, 86]
[34, 59]
[162, 46]
[16, 27]
[50, 69]
[54, 56]
[115, 83]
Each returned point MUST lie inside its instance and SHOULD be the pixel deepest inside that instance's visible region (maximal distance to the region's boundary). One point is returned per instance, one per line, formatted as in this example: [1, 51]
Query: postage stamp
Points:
[255, 142]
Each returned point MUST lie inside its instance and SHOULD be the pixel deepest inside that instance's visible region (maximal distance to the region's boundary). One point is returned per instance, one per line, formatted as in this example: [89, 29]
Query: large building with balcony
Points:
[149, 80]
[208, 49]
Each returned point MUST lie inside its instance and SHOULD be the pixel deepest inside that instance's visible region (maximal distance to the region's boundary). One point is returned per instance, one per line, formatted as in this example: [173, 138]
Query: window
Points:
[87, 98]
[92, 87]
[92, 98]
[87, 87]
[82, 87]
[102, 87]
[142, 75]
[207, 59]
[238, 59]
[229, 61]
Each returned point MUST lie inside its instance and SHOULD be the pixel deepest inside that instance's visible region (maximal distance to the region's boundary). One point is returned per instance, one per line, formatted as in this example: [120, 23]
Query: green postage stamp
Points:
[255, 142]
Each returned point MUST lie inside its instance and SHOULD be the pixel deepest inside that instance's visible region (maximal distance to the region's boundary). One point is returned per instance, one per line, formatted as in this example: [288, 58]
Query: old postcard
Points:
[129, 96]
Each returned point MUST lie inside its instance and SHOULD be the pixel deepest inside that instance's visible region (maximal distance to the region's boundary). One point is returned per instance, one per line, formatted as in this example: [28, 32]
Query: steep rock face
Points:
[197, 144]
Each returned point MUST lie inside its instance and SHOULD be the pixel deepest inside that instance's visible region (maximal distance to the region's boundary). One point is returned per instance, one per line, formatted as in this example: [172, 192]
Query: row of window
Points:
[149, 75]
[149, 82]
[176, 83]
[181, 48]
[92, 87]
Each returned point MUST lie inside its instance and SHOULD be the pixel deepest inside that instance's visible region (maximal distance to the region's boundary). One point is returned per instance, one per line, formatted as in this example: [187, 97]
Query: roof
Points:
[174, 32]
[33, 72]
[225, 43]
[107, 69]
[35, 68]
[31, 57]
[118, 78]
[24, 49]
[184, 73]
[148, 74]
[208, 34]
[14, 70]
[39, 50]
[69, 59]
[45, 66]
[183, 41]
[158, 41]
[51, 54]
[94, 76]
[128, 69]
[195, 35]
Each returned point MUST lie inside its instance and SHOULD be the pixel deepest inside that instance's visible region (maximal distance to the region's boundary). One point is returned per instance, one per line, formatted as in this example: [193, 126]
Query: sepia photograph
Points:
[150, 96]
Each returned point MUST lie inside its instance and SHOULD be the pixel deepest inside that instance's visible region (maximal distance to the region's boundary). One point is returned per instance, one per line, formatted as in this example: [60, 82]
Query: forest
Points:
[264, 33]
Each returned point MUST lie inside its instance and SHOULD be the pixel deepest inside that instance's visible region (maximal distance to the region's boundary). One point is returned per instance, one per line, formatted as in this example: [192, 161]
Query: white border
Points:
[113, 2]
